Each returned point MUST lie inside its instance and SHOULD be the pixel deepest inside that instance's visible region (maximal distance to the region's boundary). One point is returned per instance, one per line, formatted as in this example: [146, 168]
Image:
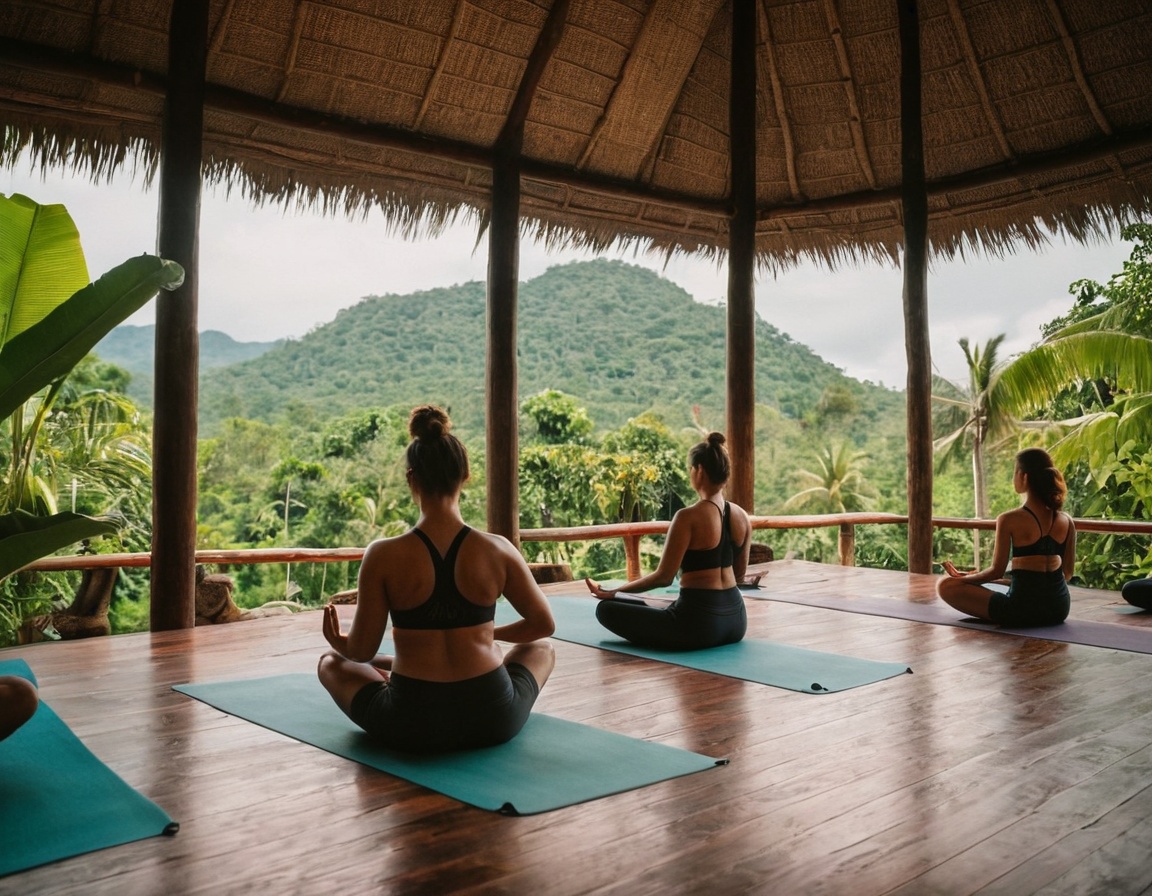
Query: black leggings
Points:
[698, 618]
[1033, 598]
[1138, 593]
[433, 716]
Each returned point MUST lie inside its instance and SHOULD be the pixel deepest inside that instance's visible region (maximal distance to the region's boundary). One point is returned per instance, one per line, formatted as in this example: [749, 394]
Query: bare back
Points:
[406, 580]
[1030, 524]
[705, 521]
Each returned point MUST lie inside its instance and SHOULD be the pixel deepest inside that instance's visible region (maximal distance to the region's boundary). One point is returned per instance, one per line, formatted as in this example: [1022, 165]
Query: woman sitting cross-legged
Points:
[1039, 538]
[709, 543]
[448, 687]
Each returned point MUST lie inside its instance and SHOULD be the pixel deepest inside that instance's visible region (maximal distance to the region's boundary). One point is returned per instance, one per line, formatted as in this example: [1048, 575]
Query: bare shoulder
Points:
[382, 548]
[742, 521]
[1017, 522]
[738, 511]
[492, 544]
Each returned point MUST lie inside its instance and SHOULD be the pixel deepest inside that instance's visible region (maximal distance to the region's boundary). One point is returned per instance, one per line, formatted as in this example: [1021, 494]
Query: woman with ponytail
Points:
[709, 544]
[1039, 539]
[448, 686]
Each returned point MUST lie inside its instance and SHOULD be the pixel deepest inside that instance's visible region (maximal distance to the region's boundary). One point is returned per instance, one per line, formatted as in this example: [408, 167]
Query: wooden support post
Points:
[502, 440]
[177, 340]
[741, 348]
[632, 570]
[914, 204]
[847, 544]
[500, 381]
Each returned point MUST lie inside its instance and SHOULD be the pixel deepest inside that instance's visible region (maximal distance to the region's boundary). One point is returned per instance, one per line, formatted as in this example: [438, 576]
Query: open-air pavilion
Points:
[763, 130]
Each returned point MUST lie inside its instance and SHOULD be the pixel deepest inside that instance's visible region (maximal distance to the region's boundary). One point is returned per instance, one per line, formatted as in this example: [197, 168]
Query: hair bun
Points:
[715, 439]
[428, 422]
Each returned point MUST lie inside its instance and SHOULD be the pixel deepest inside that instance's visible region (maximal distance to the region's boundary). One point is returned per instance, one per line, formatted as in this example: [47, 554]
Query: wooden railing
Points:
[631, 533]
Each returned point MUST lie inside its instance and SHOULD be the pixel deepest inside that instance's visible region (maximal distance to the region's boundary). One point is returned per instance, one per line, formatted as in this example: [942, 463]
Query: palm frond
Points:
[1038, 376]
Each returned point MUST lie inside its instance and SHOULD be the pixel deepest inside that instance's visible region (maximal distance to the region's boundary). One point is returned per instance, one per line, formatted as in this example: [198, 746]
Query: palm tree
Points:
[838, 486]
[1106, 339]
[978, 416]
[1122, 360]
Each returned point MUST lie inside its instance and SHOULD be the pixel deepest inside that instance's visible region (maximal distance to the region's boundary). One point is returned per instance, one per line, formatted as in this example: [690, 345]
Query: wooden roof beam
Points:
[978, 82]
[512, 133]
[771, 70]
[855, 119]
[635, 117]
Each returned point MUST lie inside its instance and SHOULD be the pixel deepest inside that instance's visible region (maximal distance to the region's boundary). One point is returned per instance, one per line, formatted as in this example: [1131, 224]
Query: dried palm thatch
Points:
[1037, 113]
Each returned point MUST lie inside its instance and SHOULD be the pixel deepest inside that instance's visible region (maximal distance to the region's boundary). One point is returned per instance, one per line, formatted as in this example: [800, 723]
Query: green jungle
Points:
[620, 371]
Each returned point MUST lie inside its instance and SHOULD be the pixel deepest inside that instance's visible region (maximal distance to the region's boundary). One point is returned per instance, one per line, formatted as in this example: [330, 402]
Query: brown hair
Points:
[1045, 482]
[713, 457]
[436, 459]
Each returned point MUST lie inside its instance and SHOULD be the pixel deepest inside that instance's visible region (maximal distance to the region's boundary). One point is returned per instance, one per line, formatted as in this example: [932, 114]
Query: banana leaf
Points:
[26, 537]
[50, 348]
[41, 262]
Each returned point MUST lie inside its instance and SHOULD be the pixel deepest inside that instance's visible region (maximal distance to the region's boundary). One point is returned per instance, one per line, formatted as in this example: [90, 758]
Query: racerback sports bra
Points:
[716, 557]
[1045, 545]
[446, 607]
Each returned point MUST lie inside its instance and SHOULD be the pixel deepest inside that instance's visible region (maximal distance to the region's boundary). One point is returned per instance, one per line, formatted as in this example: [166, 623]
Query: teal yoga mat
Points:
[57, 800]
[764, 662]
[551, 763]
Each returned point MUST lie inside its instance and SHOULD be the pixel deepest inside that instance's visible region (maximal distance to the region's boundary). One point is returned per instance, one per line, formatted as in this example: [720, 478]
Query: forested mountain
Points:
[134, 348]
[618, 337]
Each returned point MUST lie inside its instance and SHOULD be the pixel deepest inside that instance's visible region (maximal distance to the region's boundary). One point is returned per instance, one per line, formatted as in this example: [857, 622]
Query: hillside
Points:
[618, 337]
[133, 348]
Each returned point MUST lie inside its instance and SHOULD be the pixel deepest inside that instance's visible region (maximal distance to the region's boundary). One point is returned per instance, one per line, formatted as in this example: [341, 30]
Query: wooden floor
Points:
[1003, 765]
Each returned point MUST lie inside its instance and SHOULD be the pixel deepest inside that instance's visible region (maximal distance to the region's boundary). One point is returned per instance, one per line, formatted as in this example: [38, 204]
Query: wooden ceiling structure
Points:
[769, 131]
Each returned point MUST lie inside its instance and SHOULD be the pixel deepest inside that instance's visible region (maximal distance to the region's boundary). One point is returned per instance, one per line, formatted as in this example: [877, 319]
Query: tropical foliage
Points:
[304, 443]
[47, 327]
[837, 485]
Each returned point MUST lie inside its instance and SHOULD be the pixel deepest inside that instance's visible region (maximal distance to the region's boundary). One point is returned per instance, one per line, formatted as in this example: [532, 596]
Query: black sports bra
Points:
[1045, 545]
[716, 557]
[446, 607]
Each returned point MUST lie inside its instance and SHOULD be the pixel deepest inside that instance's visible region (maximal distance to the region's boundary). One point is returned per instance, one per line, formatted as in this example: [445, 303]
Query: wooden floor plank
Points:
[1002, 765]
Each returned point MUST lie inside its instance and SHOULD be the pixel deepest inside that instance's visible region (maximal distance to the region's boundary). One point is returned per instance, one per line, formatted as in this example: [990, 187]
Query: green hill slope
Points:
[134, 347]
[618, 337]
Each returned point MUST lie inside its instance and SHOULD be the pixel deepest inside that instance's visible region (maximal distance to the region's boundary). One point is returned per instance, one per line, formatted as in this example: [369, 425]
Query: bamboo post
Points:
[173, 582]
[741, 320]
[847, 544]
[914, 204]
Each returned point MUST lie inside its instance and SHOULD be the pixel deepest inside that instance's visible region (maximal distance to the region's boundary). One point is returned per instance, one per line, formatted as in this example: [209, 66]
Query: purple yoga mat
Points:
[1094, 634]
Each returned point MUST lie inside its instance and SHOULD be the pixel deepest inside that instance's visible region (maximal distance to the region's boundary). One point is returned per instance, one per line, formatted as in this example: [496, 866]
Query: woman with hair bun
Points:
[1040, 540]
[448, 686]
[709, 544]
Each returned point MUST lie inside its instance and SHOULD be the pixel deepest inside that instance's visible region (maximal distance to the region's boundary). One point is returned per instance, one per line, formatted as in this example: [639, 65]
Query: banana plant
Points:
[49, 320]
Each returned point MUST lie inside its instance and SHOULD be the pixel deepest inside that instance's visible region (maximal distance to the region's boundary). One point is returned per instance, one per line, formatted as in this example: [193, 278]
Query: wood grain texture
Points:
[1003, 765]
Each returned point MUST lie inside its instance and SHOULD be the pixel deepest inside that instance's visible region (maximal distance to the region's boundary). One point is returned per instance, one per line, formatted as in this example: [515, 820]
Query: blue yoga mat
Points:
[551, 763]
[57, 800]
[764, 662]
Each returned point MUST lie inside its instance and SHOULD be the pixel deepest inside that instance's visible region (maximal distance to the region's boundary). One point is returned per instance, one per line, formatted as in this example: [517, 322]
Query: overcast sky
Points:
[268, 273]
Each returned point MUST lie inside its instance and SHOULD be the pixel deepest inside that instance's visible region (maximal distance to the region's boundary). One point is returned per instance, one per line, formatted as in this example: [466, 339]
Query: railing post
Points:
[632, 557]
[847, 544]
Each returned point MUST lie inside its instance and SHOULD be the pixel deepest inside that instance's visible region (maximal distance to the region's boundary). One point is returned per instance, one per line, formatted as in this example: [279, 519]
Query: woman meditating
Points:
[709, 543]
[1040, 540]
[447, 687]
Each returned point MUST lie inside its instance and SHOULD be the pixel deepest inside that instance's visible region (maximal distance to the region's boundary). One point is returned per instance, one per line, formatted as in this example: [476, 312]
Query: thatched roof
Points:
[1037, 113]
